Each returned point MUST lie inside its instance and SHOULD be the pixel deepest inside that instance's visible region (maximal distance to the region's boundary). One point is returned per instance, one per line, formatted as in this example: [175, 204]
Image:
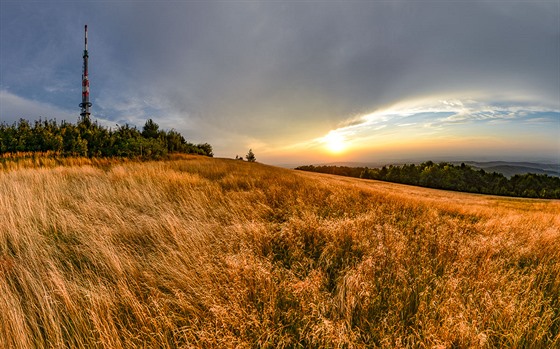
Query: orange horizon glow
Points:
[432, 129]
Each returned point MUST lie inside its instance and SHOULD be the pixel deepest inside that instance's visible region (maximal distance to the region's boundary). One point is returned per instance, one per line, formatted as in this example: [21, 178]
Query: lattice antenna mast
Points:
[85, 105]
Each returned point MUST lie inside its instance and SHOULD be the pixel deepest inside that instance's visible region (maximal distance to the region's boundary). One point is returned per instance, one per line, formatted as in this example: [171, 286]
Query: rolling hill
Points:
[202, 252]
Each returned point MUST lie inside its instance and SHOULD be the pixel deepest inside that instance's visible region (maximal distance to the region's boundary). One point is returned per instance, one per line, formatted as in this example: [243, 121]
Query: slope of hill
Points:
[201, 252]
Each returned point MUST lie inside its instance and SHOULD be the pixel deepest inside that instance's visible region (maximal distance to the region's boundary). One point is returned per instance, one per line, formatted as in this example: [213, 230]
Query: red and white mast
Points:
[85, 105]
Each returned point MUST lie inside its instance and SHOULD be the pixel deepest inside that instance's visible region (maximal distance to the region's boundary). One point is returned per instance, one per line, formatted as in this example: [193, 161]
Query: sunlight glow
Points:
[335, 142]
[436, 129]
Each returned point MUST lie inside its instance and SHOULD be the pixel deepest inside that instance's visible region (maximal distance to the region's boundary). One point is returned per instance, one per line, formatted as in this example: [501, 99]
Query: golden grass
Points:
[199, 252]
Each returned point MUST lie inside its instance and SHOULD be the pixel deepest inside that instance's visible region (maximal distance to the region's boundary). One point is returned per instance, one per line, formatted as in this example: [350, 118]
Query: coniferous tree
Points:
[250, 156]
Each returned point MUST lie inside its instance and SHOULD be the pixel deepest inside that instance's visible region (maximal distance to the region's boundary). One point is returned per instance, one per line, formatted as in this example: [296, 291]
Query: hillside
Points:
[202, 252]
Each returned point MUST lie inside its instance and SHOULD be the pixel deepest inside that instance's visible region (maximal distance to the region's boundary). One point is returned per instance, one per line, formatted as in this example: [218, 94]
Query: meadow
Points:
[196, 252]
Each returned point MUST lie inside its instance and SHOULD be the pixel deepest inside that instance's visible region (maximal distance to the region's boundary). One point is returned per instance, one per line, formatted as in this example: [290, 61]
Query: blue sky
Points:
[299, 81]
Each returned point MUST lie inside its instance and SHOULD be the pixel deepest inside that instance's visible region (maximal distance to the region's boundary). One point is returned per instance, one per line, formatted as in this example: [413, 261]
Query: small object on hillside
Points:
[251, 156]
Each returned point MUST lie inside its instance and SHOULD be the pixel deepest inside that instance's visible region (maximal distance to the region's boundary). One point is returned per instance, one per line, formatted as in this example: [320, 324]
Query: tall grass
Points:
[199, 252]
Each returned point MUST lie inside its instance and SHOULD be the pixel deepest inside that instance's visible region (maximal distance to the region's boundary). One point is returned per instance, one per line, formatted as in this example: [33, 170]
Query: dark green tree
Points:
[87, 138]
[150, 129]
[250, 156]
[206, 149]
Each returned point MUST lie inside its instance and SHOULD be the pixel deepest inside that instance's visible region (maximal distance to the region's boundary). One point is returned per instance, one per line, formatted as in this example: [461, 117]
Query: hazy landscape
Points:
[202, 252]
[146, 204]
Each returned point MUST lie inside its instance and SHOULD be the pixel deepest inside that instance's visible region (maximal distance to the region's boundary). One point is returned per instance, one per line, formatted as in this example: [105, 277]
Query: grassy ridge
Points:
[200, 252]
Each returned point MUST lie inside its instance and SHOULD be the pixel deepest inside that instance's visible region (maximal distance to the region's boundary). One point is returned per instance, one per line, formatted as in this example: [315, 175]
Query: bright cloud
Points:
[453, 123]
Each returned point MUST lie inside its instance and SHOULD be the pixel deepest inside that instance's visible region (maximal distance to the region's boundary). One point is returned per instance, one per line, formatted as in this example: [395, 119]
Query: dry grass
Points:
[199, 252]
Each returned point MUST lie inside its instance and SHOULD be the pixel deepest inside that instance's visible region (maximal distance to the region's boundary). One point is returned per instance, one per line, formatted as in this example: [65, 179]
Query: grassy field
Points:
[199, 252]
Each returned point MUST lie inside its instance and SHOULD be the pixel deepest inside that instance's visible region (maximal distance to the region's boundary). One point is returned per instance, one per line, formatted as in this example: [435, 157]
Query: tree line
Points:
[451, 177]
[90, 139]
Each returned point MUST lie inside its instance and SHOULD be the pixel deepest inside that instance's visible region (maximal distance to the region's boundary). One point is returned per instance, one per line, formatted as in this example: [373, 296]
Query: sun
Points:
[335, 142]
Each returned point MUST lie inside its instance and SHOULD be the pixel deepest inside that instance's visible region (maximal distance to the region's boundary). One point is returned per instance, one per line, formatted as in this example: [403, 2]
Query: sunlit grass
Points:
[199, 252]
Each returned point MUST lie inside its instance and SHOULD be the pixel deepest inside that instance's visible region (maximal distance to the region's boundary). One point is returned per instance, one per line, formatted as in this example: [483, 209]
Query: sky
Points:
[299, 82]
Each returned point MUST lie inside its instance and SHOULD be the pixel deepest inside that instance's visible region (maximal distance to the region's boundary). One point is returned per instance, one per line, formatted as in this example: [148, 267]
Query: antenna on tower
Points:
[85, 105]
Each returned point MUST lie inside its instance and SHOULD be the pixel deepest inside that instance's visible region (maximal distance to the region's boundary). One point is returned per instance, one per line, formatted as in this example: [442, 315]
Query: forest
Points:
[447, 176]
[87, 138]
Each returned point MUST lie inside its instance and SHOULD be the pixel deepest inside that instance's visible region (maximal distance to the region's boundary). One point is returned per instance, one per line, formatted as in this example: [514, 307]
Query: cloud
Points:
[274, 74]
[439, 117]
[277, 70]
[13, 107]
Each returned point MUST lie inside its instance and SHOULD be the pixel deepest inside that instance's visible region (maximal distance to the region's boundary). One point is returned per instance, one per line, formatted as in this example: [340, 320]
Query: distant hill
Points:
[507, 168]
[510, 169]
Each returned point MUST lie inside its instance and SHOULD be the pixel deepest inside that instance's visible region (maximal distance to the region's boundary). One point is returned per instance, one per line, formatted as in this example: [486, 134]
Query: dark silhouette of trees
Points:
[90, 139]
[204, 148]
[250, 156]
[450, 177]
[336, 170]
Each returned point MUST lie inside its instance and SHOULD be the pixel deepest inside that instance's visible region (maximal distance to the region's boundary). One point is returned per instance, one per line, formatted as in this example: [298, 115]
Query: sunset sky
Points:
[299, 82]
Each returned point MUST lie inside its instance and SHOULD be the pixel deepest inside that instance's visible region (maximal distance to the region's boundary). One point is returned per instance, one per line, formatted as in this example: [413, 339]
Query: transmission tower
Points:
[86, 104]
